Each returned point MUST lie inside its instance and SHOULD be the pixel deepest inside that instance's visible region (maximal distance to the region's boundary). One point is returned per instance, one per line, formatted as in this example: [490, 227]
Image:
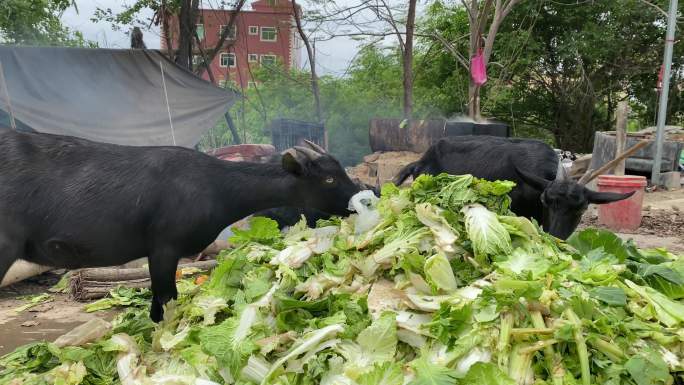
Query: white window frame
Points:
[233, 33]
[275, 58]
[251, 84]
[253, 30]
[204, 31]
[253, 57]
[227, 54]
[275, 34]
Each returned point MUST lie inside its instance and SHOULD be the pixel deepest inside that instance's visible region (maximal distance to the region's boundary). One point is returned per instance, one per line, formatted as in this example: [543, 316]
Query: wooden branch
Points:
[467, 8]
[591, 174]
[205, 62]
[451, 49]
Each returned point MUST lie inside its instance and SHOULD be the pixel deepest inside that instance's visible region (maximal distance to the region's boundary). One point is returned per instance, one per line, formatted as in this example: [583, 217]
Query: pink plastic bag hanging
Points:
[478, 71]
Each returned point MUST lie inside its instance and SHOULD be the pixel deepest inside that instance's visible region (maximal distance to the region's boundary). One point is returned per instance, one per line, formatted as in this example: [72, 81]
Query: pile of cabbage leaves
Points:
[435, 284]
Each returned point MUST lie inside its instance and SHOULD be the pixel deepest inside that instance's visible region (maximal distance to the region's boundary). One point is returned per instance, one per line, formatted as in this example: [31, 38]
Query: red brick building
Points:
[264, 34]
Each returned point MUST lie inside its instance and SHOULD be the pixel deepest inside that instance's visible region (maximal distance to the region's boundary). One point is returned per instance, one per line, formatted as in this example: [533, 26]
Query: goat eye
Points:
[329, 180]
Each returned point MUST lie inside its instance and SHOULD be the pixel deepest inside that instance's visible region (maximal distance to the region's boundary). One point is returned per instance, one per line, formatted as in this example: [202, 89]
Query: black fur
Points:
[71, 203]
[556, 204]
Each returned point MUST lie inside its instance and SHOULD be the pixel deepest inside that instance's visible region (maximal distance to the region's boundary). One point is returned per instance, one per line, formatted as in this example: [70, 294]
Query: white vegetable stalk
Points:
[307, 342]
[364, 203]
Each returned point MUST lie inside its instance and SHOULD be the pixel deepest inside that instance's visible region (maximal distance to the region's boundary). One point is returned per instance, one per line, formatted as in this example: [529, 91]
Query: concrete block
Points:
[671, 180]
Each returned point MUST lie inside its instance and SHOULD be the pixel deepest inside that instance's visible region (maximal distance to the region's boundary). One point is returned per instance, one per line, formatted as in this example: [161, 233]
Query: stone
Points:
[671, 180]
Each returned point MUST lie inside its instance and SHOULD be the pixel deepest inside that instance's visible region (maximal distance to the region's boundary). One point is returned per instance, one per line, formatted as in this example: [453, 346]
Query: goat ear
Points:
[293, 163]
[599, 198]
[538, 183]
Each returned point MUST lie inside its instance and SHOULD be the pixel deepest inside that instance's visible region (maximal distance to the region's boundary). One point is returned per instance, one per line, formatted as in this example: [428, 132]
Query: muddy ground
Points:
[662, 226]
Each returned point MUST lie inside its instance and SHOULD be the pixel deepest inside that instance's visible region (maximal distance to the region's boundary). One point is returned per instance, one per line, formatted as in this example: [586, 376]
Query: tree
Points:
[579, 62]
[37, 22]
[186, 12]
[296, 10]
[478, 16]
[374, 21]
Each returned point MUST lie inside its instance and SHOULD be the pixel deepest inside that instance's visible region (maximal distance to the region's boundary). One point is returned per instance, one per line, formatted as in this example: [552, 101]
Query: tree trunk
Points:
[474, 101]
[312, 62]
[186, 28]
[206, 64]
[164, 15]
[408, 60]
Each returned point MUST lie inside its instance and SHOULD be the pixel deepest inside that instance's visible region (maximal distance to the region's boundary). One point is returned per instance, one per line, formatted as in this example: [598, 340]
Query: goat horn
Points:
[315, 147]
[311, 154]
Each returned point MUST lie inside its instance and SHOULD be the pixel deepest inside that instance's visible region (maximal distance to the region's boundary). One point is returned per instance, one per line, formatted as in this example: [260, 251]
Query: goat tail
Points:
[410, 170]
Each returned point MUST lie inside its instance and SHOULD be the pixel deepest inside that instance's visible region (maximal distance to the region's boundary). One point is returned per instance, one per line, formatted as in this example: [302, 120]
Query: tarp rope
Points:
[168, 108]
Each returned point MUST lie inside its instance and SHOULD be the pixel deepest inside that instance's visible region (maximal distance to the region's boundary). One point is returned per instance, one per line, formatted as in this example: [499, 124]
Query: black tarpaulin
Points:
[109, 95]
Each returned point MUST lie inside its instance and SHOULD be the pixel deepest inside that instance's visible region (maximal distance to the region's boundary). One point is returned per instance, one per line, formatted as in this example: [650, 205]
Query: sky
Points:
[333, 57]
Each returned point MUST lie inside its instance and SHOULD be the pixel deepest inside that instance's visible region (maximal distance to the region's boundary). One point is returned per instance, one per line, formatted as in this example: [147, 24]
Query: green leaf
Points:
[428, 373]
[591, 239]
[262, 230]
[648, 369]
[229, 342]
[439, 274]
[388, 373]
[285, 303]
[522, 261]
[485, 231]
[379, 340]
[482, 373]
[257, 282]
[227, 276]
[449, 322]
[613, 296]
[669, 312]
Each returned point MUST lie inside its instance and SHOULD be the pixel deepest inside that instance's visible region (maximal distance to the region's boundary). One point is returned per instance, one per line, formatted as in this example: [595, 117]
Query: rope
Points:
[168, 108]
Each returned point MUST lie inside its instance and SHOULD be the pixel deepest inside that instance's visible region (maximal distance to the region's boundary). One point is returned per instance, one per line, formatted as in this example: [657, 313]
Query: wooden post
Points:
[621, 135]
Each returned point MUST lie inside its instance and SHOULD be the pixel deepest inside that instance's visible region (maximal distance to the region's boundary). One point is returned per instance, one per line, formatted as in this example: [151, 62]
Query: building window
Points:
[253, 30]
[200, 31]
[253, 58]
[227, 60]
[272, 3]
[269, 60]
[268, 34]
[232, 34]
[251, 85]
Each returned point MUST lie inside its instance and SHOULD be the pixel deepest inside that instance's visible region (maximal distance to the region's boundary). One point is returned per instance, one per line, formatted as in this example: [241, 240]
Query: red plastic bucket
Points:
[624, 214]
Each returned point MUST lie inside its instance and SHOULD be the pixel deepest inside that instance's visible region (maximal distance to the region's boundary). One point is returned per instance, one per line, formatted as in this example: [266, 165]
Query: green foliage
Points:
[37, 22]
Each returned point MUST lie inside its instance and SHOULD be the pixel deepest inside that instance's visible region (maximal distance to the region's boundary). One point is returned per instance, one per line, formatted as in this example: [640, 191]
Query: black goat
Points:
[542, 190]
[72, 203]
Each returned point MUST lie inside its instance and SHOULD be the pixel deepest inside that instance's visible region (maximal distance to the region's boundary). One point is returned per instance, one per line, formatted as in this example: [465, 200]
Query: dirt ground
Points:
[662, 226]
[46, 321]
[662, 223]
